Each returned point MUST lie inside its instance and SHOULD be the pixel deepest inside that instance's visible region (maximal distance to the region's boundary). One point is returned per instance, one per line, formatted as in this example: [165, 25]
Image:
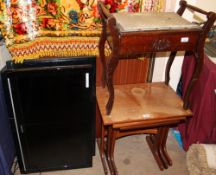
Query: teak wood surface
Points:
[148, 108]
[144, 108]
[154, 102]
[128, 71]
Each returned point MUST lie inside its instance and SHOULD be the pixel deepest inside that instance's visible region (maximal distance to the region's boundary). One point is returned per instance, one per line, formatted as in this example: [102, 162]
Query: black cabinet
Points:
[52, 112]
[7, 151]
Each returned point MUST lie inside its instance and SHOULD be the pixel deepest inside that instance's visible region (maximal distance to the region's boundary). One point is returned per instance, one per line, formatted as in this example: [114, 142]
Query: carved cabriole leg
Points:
[102, 42]
[168, 66]
[111, 66]
[199, 59]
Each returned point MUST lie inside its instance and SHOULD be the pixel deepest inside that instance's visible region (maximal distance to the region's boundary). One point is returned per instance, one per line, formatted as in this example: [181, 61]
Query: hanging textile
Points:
[22, 21]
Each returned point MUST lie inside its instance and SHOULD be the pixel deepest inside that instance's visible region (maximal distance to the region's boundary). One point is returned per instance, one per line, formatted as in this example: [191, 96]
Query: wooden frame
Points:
[151, 42]
[116, 124]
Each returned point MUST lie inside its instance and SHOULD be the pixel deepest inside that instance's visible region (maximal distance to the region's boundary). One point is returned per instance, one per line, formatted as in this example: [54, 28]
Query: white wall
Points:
[208, 5]
[4, 55]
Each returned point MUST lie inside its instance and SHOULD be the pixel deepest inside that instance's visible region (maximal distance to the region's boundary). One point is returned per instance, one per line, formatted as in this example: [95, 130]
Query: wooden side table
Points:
[149, 108]
[130, 35]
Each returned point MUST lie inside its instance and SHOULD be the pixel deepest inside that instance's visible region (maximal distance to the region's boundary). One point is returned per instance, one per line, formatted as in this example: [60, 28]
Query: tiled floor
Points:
[133, 157]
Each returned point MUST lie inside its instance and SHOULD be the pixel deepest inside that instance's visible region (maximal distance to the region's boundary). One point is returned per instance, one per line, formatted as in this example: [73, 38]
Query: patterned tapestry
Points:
[23, 20]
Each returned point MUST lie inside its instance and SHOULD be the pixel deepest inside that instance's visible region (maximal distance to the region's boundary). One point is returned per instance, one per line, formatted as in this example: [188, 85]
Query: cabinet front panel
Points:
[55, 117]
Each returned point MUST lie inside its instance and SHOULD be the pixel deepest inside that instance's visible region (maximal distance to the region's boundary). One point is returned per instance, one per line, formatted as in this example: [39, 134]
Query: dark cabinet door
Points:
[7, 150]
[54, 115]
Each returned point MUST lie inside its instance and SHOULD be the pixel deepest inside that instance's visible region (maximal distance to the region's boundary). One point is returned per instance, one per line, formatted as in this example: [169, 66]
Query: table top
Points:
[131, 22]
[140, 102]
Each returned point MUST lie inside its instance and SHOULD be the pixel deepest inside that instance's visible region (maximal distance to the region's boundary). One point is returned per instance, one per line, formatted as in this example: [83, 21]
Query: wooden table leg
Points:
[163, 147]
[155, 152]
[157, 144]
[168, 66]
[101, 146]
[112, 136]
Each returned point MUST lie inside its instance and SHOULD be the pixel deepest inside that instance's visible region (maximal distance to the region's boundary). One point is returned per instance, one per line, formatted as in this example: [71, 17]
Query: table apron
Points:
[159, 42]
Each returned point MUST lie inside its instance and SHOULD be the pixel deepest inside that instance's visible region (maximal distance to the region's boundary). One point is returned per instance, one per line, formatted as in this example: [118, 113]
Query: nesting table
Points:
[149, 108]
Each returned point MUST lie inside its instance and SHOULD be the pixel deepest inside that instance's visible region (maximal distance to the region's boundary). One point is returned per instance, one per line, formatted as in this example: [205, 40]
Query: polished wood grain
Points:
[127, 72]
[141, 102]
[146, 108]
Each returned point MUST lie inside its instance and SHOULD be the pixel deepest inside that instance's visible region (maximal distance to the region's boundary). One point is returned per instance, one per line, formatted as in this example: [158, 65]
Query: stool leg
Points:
[168, 66]
[102, 42]
[111, 66]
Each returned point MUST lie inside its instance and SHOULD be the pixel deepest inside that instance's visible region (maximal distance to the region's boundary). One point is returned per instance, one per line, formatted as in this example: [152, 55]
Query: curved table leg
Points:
[199, 58]
[111, 66]
[168, 66]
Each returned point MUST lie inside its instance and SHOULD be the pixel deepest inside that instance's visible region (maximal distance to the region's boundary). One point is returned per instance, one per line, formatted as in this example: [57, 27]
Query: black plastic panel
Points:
[54, 111]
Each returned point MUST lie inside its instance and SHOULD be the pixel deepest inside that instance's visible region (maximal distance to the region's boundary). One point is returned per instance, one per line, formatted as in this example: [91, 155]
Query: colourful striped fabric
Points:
[59, 28]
